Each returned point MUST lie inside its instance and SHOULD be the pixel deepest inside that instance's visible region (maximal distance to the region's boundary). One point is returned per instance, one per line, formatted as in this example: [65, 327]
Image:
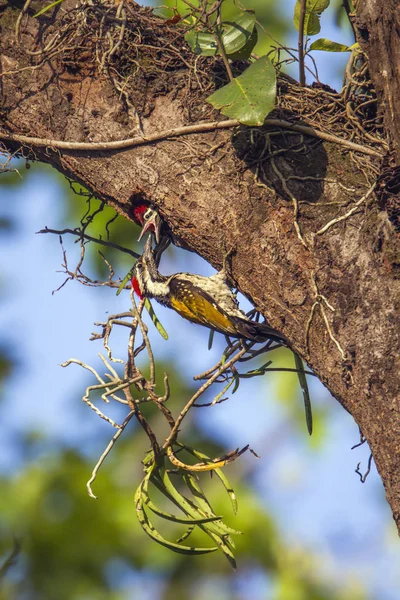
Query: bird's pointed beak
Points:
[152, 224]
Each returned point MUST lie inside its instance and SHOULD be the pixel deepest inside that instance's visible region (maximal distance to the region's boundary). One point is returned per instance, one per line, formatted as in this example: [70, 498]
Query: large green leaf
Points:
[251, 96]
[235, 35]
[329, 46]
[314, 8]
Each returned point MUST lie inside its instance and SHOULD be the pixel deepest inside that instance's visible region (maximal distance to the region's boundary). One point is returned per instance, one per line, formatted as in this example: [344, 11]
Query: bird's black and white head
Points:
[150, 281]
[151, 221]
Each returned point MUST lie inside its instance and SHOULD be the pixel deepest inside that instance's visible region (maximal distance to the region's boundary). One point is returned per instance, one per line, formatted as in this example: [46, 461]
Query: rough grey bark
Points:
[378, 29]
[212, 202]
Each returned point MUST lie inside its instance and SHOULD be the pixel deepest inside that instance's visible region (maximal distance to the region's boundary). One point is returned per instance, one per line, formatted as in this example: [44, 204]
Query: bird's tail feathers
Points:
[259, 332]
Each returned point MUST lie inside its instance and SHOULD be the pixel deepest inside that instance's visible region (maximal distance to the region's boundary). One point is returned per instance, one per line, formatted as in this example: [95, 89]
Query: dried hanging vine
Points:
[171, 466]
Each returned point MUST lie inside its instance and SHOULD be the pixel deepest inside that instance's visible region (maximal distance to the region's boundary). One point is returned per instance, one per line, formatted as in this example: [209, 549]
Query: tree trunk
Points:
[332, 287]
[378, 27]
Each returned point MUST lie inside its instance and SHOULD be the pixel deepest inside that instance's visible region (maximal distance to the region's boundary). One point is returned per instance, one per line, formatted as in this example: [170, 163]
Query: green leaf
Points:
[247, 49]
[211, 339]
[329, 46]
[256, 372]
[186, 534]
[165, 515]
[141, 497]
[237, 32]
[306, 394]
[251, 96]
[195, 512]
[202, 42]
[205, 507]
[46, 8]
[123, 283]
[218, 473]
[154, 318]
[235, 35]
[237, 382]
[226, 388]
[314, 8]
[151, 531]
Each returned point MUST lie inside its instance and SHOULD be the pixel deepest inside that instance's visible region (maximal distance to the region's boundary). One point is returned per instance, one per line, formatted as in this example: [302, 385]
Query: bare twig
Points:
[300, 43]
[19, 19]
[106, 453]
[321, 302]
[349, 213]
[294, 201]
[172, 436]
[364, 476]
[79, 234]
[216, 463]
[221, 49]
[143, 330]
[347, 8]
[179, 131]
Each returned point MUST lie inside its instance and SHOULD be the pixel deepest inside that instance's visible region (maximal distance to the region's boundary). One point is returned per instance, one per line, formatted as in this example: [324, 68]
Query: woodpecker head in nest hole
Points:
[149, 219]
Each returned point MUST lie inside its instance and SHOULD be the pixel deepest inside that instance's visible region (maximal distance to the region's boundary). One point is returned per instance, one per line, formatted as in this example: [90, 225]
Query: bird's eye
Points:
[147, 214]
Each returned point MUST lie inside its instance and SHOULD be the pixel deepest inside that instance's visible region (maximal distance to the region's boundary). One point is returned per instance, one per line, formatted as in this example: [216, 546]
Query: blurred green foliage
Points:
[70, 542]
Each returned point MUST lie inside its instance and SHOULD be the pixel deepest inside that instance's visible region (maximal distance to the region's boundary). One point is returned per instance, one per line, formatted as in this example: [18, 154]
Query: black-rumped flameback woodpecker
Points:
[207, 301]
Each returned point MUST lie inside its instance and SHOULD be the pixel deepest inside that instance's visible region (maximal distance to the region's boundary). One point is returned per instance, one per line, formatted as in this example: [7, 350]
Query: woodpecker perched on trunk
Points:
[207, 301]
[148, 218]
